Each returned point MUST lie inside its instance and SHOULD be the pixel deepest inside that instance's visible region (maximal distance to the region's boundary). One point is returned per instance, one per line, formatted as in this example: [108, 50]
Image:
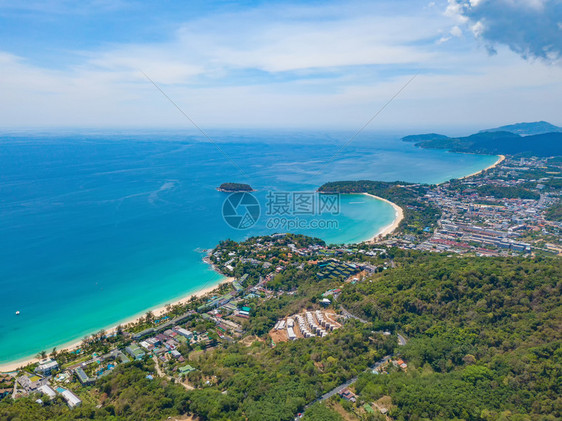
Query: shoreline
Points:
[204, 290]
[501, 158]
[399, 212]
[156, 311]
[384, 231]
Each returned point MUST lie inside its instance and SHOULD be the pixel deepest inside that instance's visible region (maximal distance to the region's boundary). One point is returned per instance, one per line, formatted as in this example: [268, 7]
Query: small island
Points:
[235, 187]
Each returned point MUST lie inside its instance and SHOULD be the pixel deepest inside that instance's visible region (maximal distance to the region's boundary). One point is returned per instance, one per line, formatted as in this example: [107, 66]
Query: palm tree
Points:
[54, 353]
[149, 317]
[42, 355]
[101, 334]
[86, 341]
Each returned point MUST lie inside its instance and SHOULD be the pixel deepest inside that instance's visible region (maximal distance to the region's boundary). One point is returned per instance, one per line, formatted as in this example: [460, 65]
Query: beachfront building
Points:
[143, 334]
[46, 367]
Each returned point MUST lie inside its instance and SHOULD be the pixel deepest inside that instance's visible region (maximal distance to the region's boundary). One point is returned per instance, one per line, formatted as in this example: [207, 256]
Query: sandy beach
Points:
[158, 311]
[399, 215]
[501, 158]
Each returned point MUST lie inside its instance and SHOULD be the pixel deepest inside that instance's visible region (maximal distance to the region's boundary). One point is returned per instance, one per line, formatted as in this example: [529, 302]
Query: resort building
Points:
[71, 399]
[46, 367]
[31, 383]
[183, 332]
[47, 390]
[83, 377]
[134, 351]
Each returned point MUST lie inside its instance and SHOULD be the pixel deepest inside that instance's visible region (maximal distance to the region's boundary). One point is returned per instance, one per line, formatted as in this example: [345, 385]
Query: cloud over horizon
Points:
[531, 28]
[265, 64]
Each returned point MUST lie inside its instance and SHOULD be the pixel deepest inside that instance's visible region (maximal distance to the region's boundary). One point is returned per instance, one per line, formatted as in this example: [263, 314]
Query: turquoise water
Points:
[97, 228]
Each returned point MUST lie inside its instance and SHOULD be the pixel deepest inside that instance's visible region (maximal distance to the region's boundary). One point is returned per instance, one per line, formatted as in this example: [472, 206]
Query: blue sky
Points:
[324, 64]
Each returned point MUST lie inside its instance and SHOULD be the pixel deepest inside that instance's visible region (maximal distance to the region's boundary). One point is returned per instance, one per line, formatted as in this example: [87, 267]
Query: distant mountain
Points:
[424, 137]
[527, 129]
[500, 142]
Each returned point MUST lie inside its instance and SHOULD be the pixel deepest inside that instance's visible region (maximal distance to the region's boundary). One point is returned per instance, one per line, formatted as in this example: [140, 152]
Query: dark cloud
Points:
[531, 28]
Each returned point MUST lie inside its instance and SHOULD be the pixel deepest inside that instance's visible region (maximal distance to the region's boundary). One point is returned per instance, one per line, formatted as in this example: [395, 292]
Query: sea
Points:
[98, 227]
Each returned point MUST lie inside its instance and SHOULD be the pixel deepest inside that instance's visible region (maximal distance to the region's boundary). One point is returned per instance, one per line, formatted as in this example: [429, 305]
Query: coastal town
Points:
[502, 211]
[175, 339]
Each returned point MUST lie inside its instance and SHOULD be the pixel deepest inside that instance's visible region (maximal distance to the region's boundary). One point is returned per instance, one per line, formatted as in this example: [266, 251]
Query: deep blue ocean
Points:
[96, 228]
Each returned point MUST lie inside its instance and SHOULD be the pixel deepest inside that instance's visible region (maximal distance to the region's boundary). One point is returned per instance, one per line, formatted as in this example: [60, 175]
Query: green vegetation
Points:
[126, 395]
[484, 343]
[500, 142]
[504, 192]
[235, 187]
[554, 213]
[319, 412]
[264, 383]
[486, 337]
[418, 213]
[524, 129]
[424, 137]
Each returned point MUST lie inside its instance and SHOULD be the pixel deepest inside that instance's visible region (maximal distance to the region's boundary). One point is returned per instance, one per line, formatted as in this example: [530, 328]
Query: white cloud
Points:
[477, 29]
[456, 31]
[456, 10]
[529, 27]
[288, 68]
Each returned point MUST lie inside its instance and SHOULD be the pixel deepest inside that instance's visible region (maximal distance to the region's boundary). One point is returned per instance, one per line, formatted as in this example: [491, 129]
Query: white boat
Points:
[17, 313]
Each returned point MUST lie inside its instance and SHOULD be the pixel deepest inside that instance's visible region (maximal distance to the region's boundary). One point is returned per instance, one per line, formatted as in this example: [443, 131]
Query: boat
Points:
[17, 313]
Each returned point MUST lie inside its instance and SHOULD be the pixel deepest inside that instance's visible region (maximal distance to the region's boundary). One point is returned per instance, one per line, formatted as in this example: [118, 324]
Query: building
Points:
[83, 377]
[71, 399]
[183, 332]
[143, 334]
[47, 390]
[46, 367]
[348, 395]
[31, 383]
[134, 351]
[186, 369]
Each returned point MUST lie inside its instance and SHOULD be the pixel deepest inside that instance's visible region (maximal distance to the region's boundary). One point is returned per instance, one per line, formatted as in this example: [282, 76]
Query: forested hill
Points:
[420, 216]
[526, 129]
[235, 187]
[424, 137]
[486, 335]
[494, 142]
[484, 344]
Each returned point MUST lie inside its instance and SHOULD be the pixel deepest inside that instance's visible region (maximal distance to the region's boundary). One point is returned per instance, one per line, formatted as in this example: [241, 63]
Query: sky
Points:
[279, 64]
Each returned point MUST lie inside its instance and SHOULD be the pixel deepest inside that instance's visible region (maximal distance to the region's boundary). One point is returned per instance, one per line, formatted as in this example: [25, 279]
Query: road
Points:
[401, 342]
[349, 315]
[161, 373]
[345, 385]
